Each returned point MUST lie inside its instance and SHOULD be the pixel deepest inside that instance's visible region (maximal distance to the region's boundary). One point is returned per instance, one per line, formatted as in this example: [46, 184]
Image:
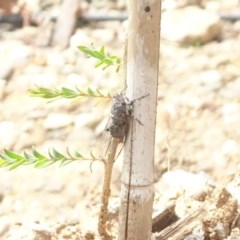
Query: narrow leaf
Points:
[28, 156]
[90, 166]
[3, 163]
[78, 155]
[50, 154]
[90, 92]
[97, 55]
[99, 63]
[83, 49]
[106, 67]
[38, 155]
[100, 94]
[65, 162]
[68, 92]
[93, 156]
[102, 50]
[57, 154]
[108, 61]
[44, 163]
[18, 163]
[13, 155]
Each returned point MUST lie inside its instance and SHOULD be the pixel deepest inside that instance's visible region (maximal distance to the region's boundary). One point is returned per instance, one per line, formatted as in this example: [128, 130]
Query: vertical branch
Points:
[66, 22]
[106, 191]
[142, 78]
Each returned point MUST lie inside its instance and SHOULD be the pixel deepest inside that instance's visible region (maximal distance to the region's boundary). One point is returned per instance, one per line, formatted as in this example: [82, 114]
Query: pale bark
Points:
[66, 23]
[135, 221]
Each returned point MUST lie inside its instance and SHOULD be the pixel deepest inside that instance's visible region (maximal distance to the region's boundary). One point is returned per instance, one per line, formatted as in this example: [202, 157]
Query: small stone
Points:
[2, 87]
[6, 70]
[13, 54]
[172, 4]
[30, 136]
[8, 134]
[230, 147]
[45, 78]
[231, 90]
[54, 186]
[4, 224]
[70, 56]
[190, 25]
[229, 4]
[57, 120]
[233, 186]
[212, 6]
[236, 26]
[197, 234]
[33, 76]
[210, 79]
[103, 35]
[175, 182]
[20, 232]
[80, 37]
[55, 58]
[231, 113]
[43, 235]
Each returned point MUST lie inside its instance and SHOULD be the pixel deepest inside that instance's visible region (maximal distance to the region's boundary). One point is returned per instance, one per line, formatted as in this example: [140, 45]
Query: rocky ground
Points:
[197, 124]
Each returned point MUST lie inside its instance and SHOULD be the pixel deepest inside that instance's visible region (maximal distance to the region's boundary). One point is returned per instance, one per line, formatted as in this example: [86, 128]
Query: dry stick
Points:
[182, 228]
[111, 156]
[164, 218]
[65, 25]
[103, 215]
[135, 215]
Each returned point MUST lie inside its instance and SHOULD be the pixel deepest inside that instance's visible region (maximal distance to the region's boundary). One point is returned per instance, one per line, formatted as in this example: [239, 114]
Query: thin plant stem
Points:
[106, 190]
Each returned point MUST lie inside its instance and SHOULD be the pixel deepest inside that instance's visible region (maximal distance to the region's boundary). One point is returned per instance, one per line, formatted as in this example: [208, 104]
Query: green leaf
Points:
[90, 166]
[102, 50]
[65, 162]
[7, 159]
[13, 155]
[50, 154]
[112, 57]
[106, 67]
[44, 92]
[13, 160]
[38, 155]
[16, 164]
[99, 63]
[29, 157]
[100, 94]
[78, 155]
[83, 49]
[90, 92]
[97, 55]
[3, 163]
[57, 154]
[107, 61]
[66, 93]
[44, 163]
[69, 93]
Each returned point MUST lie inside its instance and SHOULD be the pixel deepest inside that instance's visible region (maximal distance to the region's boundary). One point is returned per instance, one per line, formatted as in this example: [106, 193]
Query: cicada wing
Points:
[119, 149]
[104, 146]
[103, 139]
